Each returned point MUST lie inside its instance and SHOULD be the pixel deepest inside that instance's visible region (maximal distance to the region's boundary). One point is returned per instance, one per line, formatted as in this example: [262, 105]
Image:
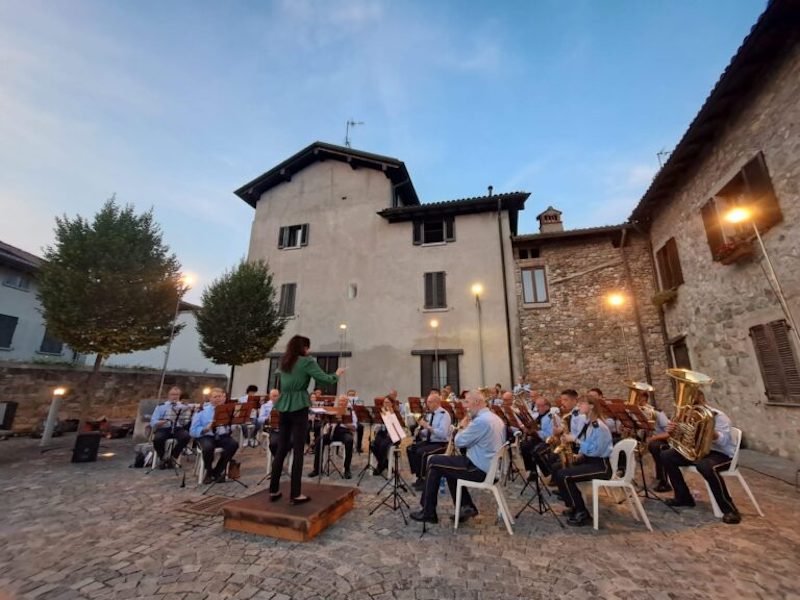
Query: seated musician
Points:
[249, 394]
[482, 434]
[169, 420]
[513, 426]
[250, 429]
[353, 400]
[522, 387]
[382, 444]
[342, 431]
[591, 463]
[209, 437]
[262, 416]
[432, 437]
[534, 449]
[719, 459]
[614, 426]
[448, 394]
[570, 414]
[657, 442]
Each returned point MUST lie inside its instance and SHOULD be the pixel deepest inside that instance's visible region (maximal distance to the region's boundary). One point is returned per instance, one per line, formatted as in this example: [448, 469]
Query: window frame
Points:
[426, 371]
[285, 233]
[778, 363]
[15, 320]
[435, 288]
[14, 282]
[535, 302]
[670, 273]
[448, 228]
[47, 337]
[283, 300]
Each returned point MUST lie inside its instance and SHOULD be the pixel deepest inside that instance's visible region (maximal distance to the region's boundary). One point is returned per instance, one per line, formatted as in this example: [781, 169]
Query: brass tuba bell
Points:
[694, 423]
[634, 387]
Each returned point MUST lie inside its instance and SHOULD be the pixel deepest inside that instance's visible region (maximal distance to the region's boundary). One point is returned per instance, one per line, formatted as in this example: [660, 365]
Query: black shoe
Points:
[423, 518]
[348, 475]
[378, 473]
[419, 485]
[662, 486]
[274, 497]
[568, 512]
[732, 518]
[299, 500]
[559, 496]
[208, 480]
[675, 503]
[579, 519]
[465, 514]
[162, 464]
[313, 474]
[220, 478]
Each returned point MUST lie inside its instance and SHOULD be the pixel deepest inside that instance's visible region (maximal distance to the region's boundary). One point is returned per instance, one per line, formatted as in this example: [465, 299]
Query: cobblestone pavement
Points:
[102, 530]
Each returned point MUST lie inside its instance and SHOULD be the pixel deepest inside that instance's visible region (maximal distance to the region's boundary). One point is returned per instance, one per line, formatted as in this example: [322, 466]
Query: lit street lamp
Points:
[52, 415]
[436, 382]
[617, 301]
[186, 281]
[742, 215]
[477, 290]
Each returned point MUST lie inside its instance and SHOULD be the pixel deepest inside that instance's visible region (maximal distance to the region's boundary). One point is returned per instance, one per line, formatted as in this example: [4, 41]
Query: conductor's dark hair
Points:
[296, 348]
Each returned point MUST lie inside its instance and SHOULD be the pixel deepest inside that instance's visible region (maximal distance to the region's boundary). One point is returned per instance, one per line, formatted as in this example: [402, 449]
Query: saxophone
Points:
[564, 449]
[694, 423]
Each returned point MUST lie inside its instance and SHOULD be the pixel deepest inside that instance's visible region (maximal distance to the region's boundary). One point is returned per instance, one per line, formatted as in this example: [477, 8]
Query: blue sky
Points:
[173, 105]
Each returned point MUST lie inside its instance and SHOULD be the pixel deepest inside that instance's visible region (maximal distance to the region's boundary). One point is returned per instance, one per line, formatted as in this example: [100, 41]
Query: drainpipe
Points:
[635, 302]
[505, 290]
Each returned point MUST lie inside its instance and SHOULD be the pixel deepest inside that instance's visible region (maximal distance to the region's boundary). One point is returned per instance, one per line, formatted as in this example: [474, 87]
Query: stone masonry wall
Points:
[717, 304]
[117, 393]
[576, 341]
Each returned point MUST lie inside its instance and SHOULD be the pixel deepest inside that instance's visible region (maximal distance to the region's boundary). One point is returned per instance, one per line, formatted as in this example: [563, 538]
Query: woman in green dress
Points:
[295, 371]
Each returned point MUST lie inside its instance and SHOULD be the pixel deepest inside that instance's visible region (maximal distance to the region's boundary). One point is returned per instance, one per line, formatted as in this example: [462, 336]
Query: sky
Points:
[173, 105]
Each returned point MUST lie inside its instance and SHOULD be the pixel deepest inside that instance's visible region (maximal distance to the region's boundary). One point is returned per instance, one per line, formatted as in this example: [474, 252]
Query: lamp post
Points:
[186, 281]
[477, 290]
[741, 215]
[342, 357]
[617, 301]
[436, 381]
[52, 415]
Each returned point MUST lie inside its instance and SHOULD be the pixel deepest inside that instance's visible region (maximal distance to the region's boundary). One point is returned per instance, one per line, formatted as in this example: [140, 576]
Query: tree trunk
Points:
[230, 382]
[86, 401]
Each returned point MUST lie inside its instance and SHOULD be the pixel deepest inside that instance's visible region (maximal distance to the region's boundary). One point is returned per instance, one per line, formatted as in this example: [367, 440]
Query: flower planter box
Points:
[740, 252]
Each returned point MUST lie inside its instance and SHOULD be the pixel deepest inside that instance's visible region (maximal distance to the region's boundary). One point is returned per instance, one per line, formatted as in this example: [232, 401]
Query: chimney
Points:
[550, 220]
[491, 189]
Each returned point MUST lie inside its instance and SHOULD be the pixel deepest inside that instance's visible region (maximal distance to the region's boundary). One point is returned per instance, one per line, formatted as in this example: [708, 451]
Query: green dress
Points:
[294, 385]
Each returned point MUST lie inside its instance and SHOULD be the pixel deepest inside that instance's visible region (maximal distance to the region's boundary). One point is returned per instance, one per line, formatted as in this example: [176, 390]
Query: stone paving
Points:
[102, 530]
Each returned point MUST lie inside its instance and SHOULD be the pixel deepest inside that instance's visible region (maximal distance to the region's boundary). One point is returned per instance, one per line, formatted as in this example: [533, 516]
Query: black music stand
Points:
[227, 415]
[640, 423]
[394, 500]
[363, 415]
[326, 417]
[542, 505]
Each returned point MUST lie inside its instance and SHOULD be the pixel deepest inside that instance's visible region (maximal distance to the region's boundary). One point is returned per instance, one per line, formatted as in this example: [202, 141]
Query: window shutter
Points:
[674, 262]
[759, 186]
[417, 226]
[450, 229]
[7, 326]
[713, 228]
[281, 237]
[788, 362]
[426, 375]
[663, 267]
[452, 373]
[290, 292]
[441, 291]
[429, 290]
[304, 234]
[777, 361]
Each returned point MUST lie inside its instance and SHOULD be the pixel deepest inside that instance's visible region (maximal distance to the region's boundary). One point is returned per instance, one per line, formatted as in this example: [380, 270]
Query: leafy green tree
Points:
[109, 286]
[239, 322]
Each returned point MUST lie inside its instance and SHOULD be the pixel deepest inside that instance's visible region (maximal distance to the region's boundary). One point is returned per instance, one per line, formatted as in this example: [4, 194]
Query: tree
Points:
[109, 286]
[239, 322]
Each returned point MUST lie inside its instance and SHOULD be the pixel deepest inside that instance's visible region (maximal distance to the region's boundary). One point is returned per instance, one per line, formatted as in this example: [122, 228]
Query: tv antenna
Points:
[350, 123]
[662, 154]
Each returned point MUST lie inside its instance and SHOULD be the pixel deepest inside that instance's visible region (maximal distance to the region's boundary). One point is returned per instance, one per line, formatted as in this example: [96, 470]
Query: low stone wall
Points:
[116, 394]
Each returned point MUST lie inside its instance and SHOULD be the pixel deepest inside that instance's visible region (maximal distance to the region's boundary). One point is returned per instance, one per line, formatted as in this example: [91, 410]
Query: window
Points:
[329, 364]
[272, 381]
[777, 361]
[669, 265]
[51, 344]
[448, 372]
[680, 354]
[750, 187]
[434, 231]
[534, 286]
[435, 292]
[293, 236]
[286, 303]
[526, 253]
[7, 326]
[20, 282]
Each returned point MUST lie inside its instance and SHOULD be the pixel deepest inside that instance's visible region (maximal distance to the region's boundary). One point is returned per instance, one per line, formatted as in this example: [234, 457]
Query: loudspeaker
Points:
[86, 446]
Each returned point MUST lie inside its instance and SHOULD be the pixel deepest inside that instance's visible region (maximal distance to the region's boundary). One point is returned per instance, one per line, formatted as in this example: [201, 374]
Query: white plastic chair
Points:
[331, 446]
[200, 466]
[732, 471]
[287, 465]
[488, 484]
[625, 482]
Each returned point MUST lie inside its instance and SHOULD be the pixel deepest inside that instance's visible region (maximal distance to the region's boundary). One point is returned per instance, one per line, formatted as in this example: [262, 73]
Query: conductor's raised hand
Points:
[339, 371]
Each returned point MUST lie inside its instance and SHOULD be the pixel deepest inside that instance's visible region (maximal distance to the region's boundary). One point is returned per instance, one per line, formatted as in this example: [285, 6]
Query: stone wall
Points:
[718, 304]
[117, 392]
[578, 340]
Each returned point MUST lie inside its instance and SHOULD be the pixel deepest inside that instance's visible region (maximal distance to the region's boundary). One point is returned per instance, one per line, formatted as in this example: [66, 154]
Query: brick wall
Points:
[116, 396]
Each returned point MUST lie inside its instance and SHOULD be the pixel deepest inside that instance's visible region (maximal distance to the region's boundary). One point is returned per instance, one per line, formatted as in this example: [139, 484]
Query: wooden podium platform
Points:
[301, 523]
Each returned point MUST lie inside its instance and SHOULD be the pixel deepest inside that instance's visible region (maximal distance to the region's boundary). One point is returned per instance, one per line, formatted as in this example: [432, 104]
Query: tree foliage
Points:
[111, 285]
[239, 322]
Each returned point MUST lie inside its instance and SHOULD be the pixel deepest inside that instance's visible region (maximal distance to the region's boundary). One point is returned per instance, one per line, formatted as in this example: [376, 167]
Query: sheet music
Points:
[393, 427]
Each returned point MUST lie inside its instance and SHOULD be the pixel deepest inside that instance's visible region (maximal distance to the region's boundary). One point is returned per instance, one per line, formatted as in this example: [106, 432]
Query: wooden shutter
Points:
[429, 290]
[777, 361]
[759, 188]
[713, 228]
[291, 290]
[281, 237]
[417, 226]
[450, 229]
[7, 326]
[426, 375]
[441, 290]
[304, 234]
[674, 262]
[663, 267]
[452, 373]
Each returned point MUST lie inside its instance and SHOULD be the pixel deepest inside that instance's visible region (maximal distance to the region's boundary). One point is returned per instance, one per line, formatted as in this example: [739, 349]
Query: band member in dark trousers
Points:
[657, 444]
[534, 449]
[433, 435]
[591, 463]
[338, 432]
[482, 434]
[169, 420]
[295, 371]
[382, 444]
[209, 438]
[719, 459]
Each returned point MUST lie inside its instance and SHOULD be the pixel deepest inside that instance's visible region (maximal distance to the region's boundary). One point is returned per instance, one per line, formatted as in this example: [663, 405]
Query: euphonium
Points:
[694, 423]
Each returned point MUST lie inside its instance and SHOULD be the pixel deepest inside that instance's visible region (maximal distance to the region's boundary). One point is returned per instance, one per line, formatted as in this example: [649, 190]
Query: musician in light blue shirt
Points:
[482, 434]
[209, 437]
[433, 435]
[169, 420]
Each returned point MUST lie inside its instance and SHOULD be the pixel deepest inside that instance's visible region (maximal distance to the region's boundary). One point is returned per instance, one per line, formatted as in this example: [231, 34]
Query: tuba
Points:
[694, 423]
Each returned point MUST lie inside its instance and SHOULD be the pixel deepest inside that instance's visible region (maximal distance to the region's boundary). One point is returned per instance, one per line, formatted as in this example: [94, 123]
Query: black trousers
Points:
[160, 437]
[452, 468]
[340, 434]
[709, 467]
[381, 446]
[229, 447]
[655, 447]
[292, 429]
[536, 453]
[359, 436]
[418, 454]
[569, 478]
